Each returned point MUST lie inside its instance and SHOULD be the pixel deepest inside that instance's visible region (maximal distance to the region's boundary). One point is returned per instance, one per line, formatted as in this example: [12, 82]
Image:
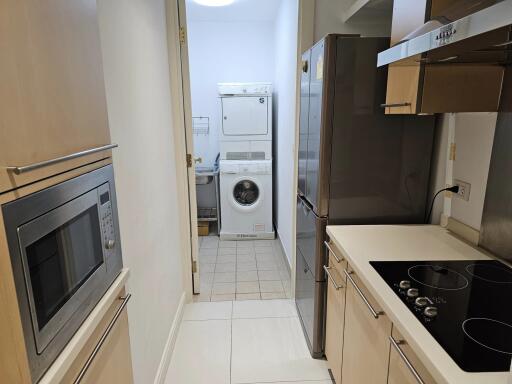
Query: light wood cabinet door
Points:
[404, 366]
[52, 93]
[405, 78]
[422, 84]
[113, 364]
[366, 337]
[335, 317]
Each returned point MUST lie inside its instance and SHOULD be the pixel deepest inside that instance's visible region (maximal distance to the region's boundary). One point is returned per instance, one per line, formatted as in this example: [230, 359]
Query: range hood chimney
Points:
[481, 37]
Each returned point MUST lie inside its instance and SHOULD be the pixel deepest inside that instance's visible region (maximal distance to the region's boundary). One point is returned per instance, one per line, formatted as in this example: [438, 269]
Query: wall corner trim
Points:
[163, 367]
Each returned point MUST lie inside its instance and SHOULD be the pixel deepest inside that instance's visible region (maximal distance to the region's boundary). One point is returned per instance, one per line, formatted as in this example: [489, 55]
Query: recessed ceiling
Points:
[240, 10]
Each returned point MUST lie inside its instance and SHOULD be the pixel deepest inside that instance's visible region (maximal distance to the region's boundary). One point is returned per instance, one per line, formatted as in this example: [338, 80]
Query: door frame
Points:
[182, 119]
[183, 141]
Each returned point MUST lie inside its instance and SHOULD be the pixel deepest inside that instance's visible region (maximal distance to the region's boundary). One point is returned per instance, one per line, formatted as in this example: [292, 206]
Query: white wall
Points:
[328, 19]
[135, 54]
[473, 135]
[225, 51]
[286, 52]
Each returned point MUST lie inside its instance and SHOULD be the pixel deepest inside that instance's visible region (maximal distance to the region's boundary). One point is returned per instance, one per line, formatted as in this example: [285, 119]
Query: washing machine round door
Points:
[247, 194]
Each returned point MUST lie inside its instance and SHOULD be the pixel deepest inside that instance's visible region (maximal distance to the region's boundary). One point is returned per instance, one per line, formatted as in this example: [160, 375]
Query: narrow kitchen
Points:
[255, 191]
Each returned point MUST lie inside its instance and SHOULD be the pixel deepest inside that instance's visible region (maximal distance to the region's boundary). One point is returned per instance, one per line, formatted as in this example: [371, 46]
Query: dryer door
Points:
[246, 194]
[246, 116]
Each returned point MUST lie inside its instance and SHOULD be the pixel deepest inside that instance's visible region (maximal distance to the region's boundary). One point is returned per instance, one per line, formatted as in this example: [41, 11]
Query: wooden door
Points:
[404, 366]
[52, 93]
[335, 318]
[366, 337]
[187, 139]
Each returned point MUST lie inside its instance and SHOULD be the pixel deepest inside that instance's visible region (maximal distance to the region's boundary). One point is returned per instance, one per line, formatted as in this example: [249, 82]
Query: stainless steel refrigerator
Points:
[356, 164]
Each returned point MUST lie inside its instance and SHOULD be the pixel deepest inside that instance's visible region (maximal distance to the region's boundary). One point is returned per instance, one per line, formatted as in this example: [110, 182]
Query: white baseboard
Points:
[163, 367]
[284, 252]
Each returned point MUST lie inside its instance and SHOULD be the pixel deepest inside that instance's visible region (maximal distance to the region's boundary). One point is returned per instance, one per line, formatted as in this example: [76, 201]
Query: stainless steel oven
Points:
[65, 252]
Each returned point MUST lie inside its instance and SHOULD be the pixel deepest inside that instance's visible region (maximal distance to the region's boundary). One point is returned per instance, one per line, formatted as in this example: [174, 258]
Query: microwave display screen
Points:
[61, 261]
[104, 198]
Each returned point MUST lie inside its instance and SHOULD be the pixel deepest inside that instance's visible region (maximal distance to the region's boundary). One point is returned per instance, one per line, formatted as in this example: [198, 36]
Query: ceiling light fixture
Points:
[214, 3]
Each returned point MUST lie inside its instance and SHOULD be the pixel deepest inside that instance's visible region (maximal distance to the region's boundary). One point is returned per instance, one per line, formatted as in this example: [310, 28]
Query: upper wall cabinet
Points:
[428, 84]
[52, 92]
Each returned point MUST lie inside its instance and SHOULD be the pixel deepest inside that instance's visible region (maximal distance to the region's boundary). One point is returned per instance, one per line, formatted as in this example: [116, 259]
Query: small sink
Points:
[205, 175]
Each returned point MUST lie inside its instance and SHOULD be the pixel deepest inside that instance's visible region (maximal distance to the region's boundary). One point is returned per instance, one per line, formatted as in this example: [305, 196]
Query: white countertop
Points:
[362, 244]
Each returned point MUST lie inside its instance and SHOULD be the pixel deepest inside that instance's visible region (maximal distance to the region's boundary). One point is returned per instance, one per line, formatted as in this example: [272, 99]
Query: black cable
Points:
[454, 189]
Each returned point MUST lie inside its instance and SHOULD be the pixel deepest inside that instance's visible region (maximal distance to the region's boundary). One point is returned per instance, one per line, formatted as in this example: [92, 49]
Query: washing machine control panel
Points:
[246, 167]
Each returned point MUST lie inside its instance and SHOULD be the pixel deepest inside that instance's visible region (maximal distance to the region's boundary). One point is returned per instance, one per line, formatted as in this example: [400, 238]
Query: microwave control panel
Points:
[108, 233]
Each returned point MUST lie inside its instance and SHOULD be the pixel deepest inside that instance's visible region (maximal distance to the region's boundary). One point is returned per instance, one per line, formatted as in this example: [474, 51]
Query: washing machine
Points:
[246, 200]
[246, 121]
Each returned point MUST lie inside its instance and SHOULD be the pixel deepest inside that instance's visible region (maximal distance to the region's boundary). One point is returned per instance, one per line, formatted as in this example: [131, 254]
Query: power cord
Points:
[454, 189]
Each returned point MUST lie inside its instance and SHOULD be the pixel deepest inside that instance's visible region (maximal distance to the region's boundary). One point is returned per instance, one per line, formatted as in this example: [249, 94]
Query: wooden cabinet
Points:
[404, 366]
[335, 315]
[112, 363]
[52, 94]
[362, 345]
[366, 337]
[423, 84]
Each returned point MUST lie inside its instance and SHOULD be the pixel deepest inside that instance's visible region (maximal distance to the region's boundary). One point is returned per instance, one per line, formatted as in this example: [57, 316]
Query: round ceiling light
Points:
[214, 3]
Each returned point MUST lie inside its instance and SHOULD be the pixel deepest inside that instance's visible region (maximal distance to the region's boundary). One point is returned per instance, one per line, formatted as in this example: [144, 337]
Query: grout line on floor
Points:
[264, 317]
[231, 347]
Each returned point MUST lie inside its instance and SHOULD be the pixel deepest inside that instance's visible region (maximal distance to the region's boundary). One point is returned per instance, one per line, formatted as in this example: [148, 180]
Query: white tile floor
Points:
[243, 342]
[242, 270]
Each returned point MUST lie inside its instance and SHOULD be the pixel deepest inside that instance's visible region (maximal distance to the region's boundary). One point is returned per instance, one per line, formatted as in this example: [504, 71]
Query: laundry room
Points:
[242, 60]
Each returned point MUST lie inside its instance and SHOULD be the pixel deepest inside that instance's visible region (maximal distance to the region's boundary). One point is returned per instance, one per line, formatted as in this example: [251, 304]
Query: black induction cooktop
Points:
[465, 305]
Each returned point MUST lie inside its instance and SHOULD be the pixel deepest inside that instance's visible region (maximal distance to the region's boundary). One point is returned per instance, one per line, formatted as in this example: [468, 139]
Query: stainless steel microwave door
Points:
[62, 258]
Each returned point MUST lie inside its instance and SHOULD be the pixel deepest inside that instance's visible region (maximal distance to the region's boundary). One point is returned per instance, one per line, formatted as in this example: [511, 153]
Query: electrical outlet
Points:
[464, 189]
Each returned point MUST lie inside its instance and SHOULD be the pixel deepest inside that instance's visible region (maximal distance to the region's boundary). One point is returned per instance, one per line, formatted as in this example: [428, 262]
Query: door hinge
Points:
[189, 160]
[453, 151]
[194, 266]
[182, 35]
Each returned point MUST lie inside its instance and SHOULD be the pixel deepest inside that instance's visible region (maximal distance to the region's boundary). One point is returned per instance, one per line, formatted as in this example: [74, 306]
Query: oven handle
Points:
[18, 170]
[396, 345]
[103, 338]
[375, 313]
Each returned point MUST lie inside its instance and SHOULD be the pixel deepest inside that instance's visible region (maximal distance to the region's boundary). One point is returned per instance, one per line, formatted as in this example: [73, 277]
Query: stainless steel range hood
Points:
[482, 37]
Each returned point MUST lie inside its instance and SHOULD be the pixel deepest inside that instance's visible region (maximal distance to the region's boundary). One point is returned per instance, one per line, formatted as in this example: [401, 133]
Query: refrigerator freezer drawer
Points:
[310, 301]
[310, 238]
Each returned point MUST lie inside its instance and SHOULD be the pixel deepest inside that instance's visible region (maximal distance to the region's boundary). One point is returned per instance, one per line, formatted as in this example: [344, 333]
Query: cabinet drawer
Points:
[404, 365]
[366, 336]
[335, 317]
[112, 361]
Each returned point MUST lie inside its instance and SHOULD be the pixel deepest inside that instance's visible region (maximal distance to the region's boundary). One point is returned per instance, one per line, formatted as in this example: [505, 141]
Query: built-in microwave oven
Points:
[65, 252]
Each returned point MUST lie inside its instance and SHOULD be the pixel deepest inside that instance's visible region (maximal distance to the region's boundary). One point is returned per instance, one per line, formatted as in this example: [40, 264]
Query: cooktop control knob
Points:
[405, 284]
[421, 302]
[412, 293]
[430, 312]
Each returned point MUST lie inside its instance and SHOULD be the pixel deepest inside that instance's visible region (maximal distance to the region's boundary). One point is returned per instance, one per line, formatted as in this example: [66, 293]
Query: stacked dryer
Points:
[246, 161]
